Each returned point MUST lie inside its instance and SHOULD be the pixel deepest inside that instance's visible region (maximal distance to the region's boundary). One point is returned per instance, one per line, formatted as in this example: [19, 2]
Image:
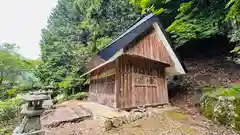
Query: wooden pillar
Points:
[117, 84]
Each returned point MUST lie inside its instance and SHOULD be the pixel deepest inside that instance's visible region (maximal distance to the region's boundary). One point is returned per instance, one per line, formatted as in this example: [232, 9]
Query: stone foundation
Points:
[134, 115]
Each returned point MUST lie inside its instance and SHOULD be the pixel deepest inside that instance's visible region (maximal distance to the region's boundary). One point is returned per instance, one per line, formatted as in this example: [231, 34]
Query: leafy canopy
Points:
[196, 19]
[76, 30]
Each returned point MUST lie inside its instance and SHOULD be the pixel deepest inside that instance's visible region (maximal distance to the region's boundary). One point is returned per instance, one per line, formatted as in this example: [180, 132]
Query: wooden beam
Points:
[104, 74]
[117, 83]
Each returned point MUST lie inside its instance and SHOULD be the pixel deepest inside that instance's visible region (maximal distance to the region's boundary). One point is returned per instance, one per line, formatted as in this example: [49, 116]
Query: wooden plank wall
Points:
[142, 83]
[148, 45]
[102, 85]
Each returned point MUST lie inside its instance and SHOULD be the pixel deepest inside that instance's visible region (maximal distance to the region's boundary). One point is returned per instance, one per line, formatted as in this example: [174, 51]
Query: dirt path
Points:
[169, 123]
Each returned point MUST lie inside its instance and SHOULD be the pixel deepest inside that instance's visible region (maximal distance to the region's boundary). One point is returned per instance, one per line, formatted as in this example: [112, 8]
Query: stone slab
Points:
[102, 111]
[64, 114]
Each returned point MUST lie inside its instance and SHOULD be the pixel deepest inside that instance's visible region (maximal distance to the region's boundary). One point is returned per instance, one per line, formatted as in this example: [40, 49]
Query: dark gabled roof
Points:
[128, 36]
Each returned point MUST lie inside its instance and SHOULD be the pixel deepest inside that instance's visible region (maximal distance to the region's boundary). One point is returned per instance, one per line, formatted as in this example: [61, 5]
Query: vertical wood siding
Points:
[142, 83]
[102, 85]
[148, 45]
[133, 81]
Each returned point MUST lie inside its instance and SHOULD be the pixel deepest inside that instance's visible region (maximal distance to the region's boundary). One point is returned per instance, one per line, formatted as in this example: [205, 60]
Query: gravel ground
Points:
[170, 123]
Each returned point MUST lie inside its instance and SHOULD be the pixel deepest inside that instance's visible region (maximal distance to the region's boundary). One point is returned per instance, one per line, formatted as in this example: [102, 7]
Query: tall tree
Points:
[13, 68]
[104, 19]
[75, 31]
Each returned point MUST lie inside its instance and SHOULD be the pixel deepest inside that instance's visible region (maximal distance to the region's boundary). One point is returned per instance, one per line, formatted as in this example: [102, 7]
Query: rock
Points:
[142, 109]
[166, 105]
[149, 113]
[117, 122]
[124, 120]
[32, 124]
[149, 108]
[130, 118]
[134, 110]
[146, 114]
[237, 61]
[137, 115]
[108, 125]
[154, 114]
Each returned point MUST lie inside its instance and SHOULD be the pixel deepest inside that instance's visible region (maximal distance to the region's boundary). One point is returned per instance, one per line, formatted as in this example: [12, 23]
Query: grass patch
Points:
[176, 115]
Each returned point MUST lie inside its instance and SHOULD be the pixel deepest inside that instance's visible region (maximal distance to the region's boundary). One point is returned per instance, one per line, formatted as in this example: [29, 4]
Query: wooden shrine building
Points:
[132, 70]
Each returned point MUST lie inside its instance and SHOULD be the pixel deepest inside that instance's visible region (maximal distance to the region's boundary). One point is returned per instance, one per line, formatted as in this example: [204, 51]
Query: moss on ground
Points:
[189, 131]
[176, 115]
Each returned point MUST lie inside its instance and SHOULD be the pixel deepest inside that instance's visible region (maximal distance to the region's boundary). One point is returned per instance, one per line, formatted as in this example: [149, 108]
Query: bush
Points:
[207, 107]
[10, 108]
[80, 96]
[6, 94]
[222, 105]
[60, 98]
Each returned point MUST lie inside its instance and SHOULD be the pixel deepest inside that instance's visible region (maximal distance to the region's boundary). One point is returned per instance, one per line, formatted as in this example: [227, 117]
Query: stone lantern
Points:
[31, 124]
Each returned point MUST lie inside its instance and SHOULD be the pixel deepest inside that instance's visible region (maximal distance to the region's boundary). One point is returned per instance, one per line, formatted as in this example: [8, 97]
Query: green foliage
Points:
[235, 37]
[207, 106]
[80, 96]
[236, 50]
[63, 97]
[11, 92]
[76, 30]
[9, 114]
[9, 108]
[15, 71]
[102, 19]
[7, 130]
[234, 11]
[11, 67]
[222, 105]
[60, 98]
[195, 19]
[149, 5]
[66, 83]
